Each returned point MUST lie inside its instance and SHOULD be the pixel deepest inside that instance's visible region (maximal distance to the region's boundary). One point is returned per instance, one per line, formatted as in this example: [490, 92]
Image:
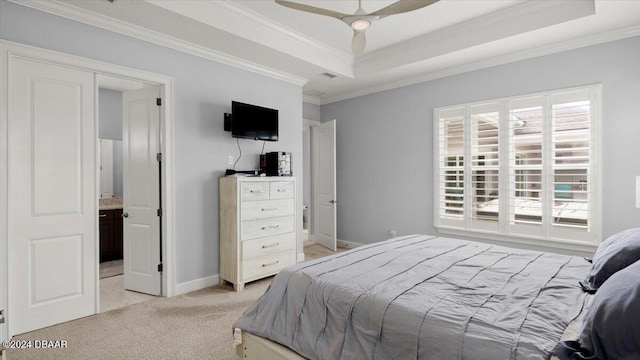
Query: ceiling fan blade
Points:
[403, 6]
[359, 42]
[311, 9]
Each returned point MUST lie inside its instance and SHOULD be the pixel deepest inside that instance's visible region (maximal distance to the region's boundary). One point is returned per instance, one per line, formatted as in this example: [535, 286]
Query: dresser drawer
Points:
[267, 265]
[266, 208]
[267, 245]
[251, 229]
[254, 191]
[282, 189]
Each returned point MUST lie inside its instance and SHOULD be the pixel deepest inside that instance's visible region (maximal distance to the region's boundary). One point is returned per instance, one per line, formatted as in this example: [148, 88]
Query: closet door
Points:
[52, 197]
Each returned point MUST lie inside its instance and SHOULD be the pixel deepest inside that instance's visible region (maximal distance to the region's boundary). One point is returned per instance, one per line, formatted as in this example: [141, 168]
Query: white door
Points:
[106, 168]
[141, 190]
[324, 185]
[52, 177]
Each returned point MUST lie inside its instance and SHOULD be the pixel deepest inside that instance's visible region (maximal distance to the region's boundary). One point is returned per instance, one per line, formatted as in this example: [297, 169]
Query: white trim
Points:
[348, 244]
[306, 123]
[500, 24]
[300, 257]
[10, 50]
[249, 24]
[492, 61]
[311, 100]
[197, 284]
[75, 13]
[519, 239]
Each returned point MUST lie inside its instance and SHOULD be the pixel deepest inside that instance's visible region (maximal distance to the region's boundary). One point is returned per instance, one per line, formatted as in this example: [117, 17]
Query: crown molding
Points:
[246, 23]
[561, 46]
[311, 100]
[476, 31]
[78, 14]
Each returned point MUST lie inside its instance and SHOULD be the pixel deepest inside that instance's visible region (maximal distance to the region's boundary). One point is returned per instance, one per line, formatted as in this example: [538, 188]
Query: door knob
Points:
[125, 215]
[333, 201]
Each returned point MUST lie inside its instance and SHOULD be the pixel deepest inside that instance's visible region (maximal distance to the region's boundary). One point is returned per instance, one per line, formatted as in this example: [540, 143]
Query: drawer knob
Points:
[282, 190]
[269, 209]
[270, 227]
[270, 246]
[271, 263]
[255, 191]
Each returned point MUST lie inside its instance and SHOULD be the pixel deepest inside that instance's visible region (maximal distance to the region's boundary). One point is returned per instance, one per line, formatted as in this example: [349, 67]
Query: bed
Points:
[417, 296]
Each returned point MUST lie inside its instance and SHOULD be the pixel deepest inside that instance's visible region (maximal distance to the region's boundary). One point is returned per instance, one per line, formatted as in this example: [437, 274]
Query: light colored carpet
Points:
[111, 268]
[196, 325]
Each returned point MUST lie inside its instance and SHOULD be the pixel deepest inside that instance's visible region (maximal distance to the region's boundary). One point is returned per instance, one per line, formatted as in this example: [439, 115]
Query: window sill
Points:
[549, 244]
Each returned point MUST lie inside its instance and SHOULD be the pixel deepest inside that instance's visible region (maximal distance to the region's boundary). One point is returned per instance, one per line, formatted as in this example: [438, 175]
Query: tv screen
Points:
[253, 122]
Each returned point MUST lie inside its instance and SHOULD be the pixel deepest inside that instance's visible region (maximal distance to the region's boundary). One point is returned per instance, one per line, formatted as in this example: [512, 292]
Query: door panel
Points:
[324, 170]
[53, 197]
[141, 122]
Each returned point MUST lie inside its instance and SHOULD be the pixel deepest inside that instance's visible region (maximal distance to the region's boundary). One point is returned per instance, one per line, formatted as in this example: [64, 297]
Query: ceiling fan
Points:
[361, 20]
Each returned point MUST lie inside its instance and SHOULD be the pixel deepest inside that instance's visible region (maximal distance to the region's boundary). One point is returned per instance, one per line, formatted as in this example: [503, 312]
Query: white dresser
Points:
[257, 227]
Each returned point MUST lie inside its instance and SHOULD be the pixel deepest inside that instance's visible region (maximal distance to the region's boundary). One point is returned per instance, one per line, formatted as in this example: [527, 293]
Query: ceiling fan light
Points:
[360, 24]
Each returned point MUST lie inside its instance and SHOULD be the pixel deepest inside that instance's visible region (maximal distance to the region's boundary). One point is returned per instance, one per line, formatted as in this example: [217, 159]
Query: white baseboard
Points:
[196, 284]
[348, 244]
[300, 257]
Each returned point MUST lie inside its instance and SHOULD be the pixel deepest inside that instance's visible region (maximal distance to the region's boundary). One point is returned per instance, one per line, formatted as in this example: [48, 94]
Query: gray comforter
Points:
[422, 297]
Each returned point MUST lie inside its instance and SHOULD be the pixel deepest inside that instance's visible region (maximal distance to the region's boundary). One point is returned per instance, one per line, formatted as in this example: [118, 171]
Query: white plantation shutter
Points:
[451, 166]
[484, 142]
[571, 163]
[530, 163]
[526, 186]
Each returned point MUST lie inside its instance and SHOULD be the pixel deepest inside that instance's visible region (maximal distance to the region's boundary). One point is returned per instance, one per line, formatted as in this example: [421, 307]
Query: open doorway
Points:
[128, 175]
[64, 186]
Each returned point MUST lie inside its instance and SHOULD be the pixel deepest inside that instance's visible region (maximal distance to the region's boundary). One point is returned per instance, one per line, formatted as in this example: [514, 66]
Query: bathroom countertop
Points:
[110, 203]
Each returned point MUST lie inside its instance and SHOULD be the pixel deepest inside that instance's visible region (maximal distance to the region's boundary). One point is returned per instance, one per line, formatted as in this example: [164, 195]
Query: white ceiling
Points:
[448, 37]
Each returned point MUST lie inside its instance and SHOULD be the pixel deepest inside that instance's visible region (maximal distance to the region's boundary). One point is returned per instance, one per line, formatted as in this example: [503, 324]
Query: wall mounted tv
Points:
[253, 122]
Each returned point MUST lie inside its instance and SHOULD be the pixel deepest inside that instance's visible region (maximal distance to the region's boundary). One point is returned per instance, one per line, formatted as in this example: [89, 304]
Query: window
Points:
[521, 167]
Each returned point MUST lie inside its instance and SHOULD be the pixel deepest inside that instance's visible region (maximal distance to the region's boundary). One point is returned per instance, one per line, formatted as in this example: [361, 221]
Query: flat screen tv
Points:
[253, 122]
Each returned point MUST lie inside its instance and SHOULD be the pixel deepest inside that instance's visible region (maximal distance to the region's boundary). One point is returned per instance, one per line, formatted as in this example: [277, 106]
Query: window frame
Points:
[548, 236]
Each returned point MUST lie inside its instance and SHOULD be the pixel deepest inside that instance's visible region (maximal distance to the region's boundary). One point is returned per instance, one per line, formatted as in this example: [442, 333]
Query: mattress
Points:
[422, 297]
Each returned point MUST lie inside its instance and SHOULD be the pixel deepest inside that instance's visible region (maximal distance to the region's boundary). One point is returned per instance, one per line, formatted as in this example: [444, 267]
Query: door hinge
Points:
[1, 316]
[159, 267]
[159, 157]
[159, 101]
[160, 212]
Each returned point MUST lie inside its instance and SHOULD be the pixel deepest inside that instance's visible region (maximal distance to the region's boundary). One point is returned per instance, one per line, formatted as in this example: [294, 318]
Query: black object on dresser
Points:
[276, 163]
[110, 235]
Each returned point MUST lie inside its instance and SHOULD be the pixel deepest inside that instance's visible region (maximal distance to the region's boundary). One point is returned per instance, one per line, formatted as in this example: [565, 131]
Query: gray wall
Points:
[109, 114]
[110, 127]
[311, 111]
[203, 93]
[384, 143]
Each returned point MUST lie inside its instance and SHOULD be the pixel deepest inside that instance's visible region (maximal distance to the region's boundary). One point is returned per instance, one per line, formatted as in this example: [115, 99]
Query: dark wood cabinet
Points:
[110, 235]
